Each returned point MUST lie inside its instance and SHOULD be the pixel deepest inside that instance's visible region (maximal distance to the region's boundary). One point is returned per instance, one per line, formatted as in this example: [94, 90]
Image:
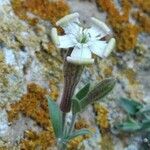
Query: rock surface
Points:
[27, 55]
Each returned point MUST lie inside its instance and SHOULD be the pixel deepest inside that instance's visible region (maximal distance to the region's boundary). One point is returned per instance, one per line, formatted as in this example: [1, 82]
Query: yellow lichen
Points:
[50, 11]
[102, 116]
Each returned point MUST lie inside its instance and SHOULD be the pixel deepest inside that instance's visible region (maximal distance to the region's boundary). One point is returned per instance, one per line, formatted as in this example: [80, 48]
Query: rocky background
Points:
[31, 67]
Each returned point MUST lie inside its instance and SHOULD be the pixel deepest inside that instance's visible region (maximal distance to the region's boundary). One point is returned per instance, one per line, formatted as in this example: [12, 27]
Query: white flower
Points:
[84, 41]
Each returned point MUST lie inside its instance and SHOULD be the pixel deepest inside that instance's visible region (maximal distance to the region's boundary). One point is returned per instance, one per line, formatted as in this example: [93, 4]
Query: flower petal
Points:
[81, 52]
[77, 61]
[70, 23]
[66, 41]
[98, 47]
[101, 25]
[65, 20]
[110, 46]
[54, 36]
[99, 29]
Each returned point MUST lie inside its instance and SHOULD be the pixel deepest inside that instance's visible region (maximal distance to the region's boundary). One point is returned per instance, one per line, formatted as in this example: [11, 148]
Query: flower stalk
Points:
[72, 74]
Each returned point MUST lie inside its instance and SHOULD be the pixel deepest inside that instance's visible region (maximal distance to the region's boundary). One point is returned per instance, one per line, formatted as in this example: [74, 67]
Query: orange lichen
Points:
[50, 11]
[143, 4]
[143, 20]
[108, 71]
[126, 33]
[102, 116]
[33, 141]
[34, 105]
[54, 90]
[126, 37]
[81, 123]
[131, 76]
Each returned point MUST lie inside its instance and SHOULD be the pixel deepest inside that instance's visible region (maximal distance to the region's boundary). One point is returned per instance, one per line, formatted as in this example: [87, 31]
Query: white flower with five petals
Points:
[84, 41]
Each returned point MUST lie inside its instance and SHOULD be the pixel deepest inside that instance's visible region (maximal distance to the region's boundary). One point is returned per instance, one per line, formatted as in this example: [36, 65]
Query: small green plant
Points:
[79, 44]
[84, 97]
[138, 116]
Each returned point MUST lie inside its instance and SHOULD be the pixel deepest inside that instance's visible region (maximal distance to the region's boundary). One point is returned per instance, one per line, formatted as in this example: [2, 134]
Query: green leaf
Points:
[130, 106]
[129, 126]
[96, 93]
[82, 93]
[146, 125]
[78, 133]
[55, 116]
[145, 109]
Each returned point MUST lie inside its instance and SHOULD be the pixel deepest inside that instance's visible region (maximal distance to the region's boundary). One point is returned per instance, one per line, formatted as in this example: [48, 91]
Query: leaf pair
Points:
[77, 133]
[138, 120]
[87, 95]
[56, 120]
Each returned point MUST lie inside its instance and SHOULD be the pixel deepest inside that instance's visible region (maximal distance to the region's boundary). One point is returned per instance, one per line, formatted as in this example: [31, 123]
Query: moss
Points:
[50, 11]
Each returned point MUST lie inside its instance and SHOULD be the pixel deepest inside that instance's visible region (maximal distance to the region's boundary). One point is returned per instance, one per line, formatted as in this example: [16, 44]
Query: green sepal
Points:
[96, 93]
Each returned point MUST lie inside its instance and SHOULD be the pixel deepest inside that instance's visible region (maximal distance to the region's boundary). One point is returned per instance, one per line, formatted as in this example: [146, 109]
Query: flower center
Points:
[83, 37]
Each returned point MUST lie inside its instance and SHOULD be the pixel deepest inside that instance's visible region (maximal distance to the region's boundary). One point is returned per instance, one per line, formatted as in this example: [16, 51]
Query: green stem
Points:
[63, 121]
[72, 124]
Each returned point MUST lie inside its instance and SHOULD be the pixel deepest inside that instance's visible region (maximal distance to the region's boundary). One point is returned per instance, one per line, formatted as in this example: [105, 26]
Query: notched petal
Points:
[110, 46]
[65, 20]
[78, 61]
[54, 36]
[66, 41]
[101, 24]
